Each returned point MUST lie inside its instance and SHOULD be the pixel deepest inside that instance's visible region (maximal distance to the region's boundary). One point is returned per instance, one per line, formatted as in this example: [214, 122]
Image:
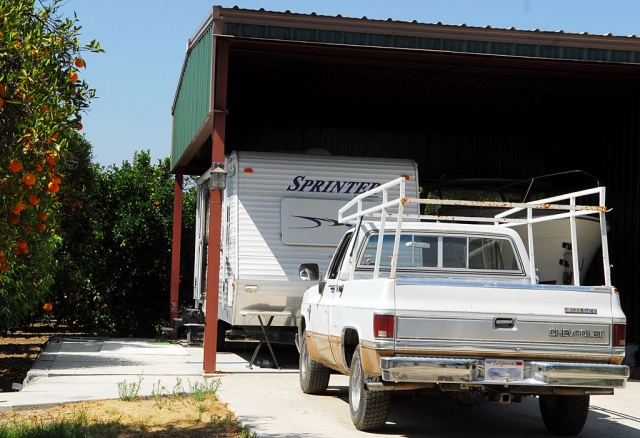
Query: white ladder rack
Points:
[394, 209]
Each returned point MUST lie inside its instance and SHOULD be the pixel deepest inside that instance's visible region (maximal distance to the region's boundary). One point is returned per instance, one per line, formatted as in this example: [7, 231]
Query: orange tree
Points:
[116, 255]
[74, 255]
[42, 98]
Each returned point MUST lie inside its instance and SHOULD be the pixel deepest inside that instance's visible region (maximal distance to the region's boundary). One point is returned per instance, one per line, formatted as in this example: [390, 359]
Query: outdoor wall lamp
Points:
[218, 177]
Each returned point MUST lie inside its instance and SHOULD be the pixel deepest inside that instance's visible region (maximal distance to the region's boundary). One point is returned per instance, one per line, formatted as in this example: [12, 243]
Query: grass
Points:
[77, 427]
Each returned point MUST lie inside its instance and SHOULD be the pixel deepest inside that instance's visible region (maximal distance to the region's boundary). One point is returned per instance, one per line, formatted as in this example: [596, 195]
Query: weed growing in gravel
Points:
[129, 392]
[157, 393]
[200, 390]
[177, 388]
[222, 423]
[201, 410]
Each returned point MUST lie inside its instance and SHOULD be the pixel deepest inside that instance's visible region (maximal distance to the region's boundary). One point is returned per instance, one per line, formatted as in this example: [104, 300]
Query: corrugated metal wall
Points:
[437, 154]
[605, 144]
[416, 42]
[617, 161]
[194, 95]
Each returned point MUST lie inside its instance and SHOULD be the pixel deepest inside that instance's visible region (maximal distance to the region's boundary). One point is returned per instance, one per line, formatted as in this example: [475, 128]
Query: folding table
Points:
[264, 327]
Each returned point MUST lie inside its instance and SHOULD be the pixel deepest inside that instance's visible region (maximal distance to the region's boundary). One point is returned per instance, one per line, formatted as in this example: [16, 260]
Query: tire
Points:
[314, 377]
[564, 414]
[369, 409]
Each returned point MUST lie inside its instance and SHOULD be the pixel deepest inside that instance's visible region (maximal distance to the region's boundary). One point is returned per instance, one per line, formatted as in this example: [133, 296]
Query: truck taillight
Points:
[383, 326]
[619, 335]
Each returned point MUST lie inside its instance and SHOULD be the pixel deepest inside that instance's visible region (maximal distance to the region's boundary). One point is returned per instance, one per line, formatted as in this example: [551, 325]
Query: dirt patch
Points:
[183, 416]
[167, 416]
[20, 349]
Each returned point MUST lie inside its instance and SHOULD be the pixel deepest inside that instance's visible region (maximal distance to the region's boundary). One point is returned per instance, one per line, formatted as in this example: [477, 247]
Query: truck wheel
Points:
[369, 409]
[314, 377]
[564, 414]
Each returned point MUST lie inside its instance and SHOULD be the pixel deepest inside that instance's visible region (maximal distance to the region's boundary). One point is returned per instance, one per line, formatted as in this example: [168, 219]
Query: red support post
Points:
[215, 206]
[175, 248]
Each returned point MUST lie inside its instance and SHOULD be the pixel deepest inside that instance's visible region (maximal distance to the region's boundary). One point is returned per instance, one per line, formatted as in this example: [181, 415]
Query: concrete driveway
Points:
[269, 401]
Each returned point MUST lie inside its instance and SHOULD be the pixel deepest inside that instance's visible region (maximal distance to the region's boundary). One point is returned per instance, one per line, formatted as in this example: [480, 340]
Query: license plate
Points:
[503, 370]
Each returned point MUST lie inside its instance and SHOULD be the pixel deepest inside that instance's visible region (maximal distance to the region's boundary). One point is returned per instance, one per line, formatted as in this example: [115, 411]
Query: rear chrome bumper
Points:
[536, 373]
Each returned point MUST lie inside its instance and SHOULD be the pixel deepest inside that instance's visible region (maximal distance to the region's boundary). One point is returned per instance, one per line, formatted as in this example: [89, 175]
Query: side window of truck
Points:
[336, 261]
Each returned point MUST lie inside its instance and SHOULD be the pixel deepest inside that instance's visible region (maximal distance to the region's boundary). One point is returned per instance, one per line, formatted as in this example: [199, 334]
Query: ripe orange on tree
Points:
[79, 126]
[53, 187]
[17, 208]
[73, 76]
[15, 166]
[79, 62]
[42, 215]
[41, 226]
[29, 178]
[48, 307]
[33, 199]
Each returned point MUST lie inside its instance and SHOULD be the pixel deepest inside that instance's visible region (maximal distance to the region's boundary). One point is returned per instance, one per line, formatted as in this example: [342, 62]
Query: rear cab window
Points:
[440, 252]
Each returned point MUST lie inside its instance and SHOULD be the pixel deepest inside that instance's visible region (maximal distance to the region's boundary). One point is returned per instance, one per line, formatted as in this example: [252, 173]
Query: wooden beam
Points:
[175, 249]
[215, 207]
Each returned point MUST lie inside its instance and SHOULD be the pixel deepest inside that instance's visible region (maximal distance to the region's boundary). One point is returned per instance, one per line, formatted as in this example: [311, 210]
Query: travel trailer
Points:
[279, 209]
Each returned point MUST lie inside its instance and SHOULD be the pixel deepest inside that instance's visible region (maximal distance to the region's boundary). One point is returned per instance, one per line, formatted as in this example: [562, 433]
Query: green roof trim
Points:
[244, 30]
[193, 98]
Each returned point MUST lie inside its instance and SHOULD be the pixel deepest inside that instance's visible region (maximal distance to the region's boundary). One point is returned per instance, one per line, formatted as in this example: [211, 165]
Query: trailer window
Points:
[486, 253]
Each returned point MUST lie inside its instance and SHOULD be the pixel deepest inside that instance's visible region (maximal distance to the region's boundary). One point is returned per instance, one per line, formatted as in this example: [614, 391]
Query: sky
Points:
[145, 43]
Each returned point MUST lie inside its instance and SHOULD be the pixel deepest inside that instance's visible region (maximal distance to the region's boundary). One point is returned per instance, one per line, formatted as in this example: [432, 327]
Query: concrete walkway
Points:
[269, 401]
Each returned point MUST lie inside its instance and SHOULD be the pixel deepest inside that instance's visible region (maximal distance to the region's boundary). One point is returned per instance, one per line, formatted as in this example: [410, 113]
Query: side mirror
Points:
[309, 272]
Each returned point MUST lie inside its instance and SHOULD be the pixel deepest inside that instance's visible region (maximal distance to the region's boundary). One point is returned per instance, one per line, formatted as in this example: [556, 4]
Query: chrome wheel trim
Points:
[304, 357]
[356, 388]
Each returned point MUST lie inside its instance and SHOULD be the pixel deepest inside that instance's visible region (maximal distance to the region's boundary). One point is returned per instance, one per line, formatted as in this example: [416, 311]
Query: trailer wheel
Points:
[222, 334]
[564, 414]
[369, 409]
[314, 377]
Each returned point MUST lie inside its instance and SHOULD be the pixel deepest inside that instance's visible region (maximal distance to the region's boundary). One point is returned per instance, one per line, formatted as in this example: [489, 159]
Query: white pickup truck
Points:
[453, 305]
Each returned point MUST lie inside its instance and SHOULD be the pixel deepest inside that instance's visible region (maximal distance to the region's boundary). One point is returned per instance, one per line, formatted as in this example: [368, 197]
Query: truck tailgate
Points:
[468, 316]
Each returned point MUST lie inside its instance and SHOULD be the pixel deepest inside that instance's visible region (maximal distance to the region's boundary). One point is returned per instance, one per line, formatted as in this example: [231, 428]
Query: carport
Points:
[461, 101]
